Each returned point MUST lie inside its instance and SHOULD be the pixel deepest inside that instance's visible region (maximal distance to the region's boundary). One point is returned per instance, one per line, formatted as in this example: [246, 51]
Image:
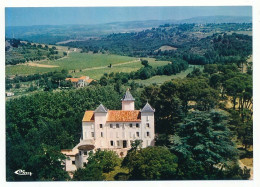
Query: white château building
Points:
[112, 130]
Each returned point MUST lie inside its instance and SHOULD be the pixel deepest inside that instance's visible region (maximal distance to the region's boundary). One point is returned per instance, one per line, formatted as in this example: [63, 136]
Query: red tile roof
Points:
[88, 116]
[89, 80]
[72, 79]
[116, 116]
[124, 115]
[83, 77]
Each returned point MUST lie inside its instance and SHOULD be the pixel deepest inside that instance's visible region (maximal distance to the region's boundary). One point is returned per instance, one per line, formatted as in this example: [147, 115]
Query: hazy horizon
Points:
[102, 15]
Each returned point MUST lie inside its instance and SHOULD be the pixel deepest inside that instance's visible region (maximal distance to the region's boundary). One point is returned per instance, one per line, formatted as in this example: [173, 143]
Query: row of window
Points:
[123, 143]
[137, 125]
[137, 134]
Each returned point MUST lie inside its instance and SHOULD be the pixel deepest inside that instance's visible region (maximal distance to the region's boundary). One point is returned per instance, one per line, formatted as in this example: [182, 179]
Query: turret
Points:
[101, 109]
[128, 102]
[100, 121]
[147, 118]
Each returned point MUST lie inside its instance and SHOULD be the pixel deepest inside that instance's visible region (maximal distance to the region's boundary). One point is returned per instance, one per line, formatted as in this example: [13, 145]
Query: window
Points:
[147, 134]
[137, 125]
[111, 125]
[147, 125]
[92, 134]
[101, 134]
[124, 144]
[79, 152]
[147, 118]
[118, 143]
[101, 125]
[73, 162]
[117, 125]
[137, 134]
[85, 153]
[111, 143]
[131, 125]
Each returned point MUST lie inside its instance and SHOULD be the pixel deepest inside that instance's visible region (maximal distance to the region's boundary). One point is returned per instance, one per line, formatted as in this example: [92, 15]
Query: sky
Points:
[99, 15]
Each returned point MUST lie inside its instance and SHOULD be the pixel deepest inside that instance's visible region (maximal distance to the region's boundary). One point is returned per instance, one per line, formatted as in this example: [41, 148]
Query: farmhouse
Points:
[112, 130]
[80, 82]
[9, 94]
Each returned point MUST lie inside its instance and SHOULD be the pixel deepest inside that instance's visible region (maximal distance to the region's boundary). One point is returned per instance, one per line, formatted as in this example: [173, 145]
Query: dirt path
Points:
[103, 67]
[40, 65]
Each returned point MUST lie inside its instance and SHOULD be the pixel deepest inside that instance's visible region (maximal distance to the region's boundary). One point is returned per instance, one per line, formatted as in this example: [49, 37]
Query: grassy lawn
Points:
[161, 79]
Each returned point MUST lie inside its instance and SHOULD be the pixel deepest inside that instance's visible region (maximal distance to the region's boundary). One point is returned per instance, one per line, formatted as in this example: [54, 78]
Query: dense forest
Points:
[191, 42]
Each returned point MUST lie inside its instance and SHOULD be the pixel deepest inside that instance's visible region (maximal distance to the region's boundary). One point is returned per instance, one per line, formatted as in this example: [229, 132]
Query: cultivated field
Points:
[78, 64]
[75, 61]
[127, 67]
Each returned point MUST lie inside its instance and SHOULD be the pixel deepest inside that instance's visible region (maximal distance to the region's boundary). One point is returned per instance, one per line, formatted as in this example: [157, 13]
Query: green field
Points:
[79, 61]
[124, 67]
[161, 79]
[93, 65]
[75, 61]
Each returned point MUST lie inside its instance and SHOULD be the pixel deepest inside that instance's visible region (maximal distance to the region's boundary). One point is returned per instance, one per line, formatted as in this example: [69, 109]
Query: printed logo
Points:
[22, 172]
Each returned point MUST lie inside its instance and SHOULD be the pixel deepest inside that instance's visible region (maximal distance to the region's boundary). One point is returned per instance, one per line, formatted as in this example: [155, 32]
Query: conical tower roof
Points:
[101, 109]
[148, 108]
[128, 96]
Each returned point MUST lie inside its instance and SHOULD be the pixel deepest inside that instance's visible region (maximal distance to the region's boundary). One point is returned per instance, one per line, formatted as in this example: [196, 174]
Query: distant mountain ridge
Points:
[218, 19]
[52, 34]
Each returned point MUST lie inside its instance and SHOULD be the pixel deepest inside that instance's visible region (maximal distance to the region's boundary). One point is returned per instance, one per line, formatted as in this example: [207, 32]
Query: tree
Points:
[107, 160]
[92, 172]
[145, 63]
[46, 164]
[58, 77]
[8, 86]
[153, 163]
[240, 87]
[17, 85]
[204, 138]
[242, 124]
[129, 159]
[210, 68]
[98, 163]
